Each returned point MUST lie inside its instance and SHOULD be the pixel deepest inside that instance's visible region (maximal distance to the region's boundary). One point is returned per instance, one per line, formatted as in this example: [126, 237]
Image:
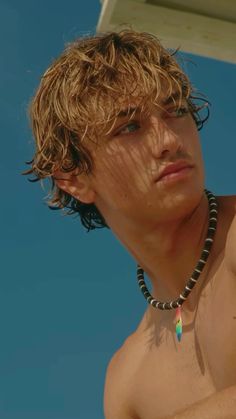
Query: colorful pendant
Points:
[178, 327]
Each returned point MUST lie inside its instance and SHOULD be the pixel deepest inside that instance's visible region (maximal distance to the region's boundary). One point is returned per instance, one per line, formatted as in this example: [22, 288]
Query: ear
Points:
[79, 186]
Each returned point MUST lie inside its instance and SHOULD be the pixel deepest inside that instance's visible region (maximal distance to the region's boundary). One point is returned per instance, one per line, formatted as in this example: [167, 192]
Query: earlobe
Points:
[75, 185]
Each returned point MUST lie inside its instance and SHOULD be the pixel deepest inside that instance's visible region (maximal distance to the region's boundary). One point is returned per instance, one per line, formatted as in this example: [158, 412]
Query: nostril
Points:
[164, 153]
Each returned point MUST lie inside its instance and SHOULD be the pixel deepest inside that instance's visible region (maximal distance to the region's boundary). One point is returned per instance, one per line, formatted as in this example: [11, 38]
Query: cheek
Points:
[111, 171]
[191, 136]
[194, 147]
[122, 172]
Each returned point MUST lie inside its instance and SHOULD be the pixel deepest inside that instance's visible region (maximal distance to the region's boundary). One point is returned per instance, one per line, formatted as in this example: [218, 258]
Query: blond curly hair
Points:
[78, 99]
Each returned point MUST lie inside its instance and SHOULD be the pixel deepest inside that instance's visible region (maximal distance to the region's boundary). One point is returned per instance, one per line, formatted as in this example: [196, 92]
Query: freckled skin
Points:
[135, 207]
[126, 165]
[163, 225]
[164, 376]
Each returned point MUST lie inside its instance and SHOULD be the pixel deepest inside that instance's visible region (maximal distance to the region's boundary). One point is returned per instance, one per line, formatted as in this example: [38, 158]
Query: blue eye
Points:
[179, 112]
[129, 128]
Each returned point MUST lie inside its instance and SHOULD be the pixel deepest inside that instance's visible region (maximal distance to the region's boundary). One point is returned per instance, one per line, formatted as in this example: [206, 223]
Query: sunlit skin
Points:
[163, 224]
[156, 221]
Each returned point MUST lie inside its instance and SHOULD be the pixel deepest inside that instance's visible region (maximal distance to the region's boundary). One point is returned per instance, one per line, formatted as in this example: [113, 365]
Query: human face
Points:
[128, 161]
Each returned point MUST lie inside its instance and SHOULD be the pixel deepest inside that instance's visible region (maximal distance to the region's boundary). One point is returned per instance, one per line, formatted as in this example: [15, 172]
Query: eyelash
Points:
[127, 125]
[183, 110]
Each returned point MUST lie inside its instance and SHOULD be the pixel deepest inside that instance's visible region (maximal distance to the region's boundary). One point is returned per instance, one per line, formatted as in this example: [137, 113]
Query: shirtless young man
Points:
[109, 116]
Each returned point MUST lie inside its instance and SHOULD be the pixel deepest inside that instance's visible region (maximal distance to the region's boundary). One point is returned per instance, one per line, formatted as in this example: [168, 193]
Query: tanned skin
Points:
[163, 224]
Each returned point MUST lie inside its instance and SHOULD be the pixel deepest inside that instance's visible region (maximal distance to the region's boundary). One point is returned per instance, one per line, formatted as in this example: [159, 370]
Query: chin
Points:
[179, 202]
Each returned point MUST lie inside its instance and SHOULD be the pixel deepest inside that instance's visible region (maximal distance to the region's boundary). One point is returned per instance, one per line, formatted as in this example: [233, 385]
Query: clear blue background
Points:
[68, 299]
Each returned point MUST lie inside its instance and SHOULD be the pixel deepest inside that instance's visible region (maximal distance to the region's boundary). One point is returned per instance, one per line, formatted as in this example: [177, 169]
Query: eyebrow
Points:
[130, 111]
[169, 100]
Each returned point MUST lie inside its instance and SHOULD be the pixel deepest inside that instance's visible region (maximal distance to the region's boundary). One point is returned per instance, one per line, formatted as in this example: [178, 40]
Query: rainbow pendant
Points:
[178, 327]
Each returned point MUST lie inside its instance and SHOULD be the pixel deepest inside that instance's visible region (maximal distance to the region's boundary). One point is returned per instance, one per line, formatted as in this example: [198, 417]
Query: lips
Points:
[173, 168]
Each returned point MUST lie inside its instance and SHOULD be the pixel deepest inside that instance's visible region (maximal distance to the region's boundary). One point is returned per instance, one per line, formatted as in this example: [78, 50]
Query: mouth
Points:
[174, 172]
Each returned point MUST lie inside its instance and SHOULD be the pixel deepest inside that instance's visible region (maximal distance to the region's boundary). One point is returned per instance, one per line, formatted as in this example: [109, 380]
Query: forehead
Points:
[129, 107]
[107, 110]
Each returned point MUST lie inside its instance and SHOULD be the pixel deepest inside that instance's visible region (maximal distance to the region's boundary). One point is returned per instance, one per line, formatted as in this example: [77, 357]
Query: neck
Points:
[169, 252]
[177, 250]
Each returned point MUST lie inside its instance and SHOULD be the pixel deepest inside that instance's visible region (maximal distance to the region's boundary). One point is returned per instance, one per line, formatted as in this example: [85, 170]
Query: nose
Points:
[164, 141]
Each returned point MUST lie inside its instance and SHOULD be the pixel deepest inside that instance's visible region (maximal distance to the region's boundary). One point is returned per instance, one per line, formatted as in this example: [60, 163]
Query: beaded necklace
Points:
[178, 302]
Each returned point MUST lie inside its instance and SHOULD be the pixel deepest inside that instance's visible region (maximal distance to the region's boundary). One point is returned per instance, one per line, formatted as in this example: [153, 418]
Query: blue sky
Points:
[69, 299]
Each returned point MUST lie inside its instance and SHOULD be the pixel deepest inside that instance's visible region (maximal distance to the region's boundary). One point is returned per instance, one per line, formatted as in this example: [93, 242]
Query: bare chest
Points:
[174, 375]
[216, 328]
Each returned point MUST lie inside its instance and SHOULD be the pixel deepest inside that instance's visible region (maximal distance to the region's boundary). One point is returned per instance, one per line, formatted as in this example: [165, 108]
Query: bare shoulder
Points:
[118, 383]
[228, 205]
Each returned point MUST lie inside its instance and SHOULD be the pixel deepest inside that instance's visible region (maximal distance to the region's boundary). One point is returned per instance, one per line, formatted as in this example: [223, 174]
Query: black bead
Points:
[190, 284]
[196, 273]
[186, 293]
[153, 303]
[175, 304]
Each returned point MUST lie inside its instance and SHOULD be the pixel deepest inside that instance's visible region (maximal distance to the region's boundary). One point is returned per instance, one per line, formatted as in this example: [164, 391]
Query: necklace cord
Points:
[168, 305]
